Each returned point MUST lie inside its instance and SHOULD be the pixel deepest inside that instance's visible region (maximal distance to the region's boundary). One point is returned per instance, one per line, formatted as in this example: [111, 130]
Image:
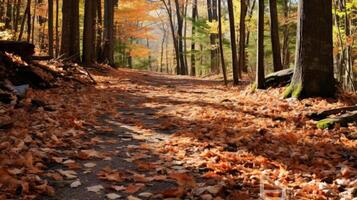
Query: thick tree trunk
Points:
[193, 45]
[70, 30]
[235, 66]
[57, 29]
[50, 28]
[99, 29]
[89, 32]
[274, 32]
[108, 46]
[242, 36]
[260, 77]
[313, 75]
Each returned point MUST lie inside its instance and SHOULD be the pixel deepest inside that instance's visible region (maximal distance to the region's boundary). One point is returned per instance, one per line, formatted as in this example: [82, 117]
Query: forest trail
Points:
[139, 135]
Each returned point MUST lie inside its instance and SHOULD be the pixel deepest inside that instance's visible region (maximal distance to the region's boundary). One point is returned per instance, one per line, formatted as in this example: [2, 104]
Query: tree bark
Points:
[212, 16]
[99, 29]
[108, 46]
[57, 29]
[17, 16]
[274, 33]
[260, 77]
[89, 32]
[242, 37]
[313, 75]
[70, 30]
[221, 42]
[8, 16]
[286, 36]
[50, 28]
[180, 38]
[193, 45]
[235, 66]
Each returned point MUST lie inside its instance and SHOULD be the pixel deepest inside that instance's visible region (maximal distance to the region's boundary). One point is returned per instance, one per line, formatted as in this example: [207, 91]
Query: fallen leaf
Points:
[76, 184]
[95, 188]
[89, 165]
[133, 198]
[69, 174]
[132, 188]
[112, 196]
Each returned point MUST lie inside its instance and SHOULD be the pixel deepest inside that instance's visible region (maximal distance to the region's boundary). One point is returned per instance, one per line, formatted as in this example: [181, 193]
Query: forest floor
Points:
[138, 135]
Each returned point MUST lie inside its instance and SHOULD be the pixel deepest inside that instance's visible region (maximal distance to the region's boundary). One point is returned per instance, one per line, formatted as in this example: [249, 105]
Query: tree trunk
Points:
[274, 32]
[99, 29]
[313, 75]
[221, 42]
[108, 46]
[180, 38]
[235, 66]
[193, 45]
[8, 14]
[57, 29]
[286, 37]
[2, 10]
[50, 28]
[174, 38]
[17, 16]
[242, 37]
[27, 10]
[29, 21]
[212, 16]
[260, 78]
[89, 32]
[70, 30]
[33, 23]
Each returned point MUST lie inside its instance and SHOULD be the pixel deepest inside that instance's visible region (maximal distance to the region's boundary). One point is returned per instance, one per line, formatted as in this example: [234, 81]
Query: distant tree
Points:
[220, 35]
[179, 14]
[213, 16]
[274, 33]
[286, 35]
[70, 30]
[242, 36]
[168, 8]
[260, 77]
[8, 16]
[313, 75]
[236, 73]
[193, 45]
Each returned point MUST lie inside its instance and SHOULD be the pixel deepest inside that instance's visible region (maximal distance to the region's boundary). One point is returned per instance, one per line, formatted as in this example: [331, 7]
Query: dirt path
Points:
[148, 136]
[144, 174]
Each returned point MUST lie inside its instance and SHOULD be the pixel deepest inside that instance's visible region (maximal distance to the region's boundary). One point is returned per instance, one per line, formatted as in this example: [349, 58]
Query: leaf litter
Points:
[225, 142]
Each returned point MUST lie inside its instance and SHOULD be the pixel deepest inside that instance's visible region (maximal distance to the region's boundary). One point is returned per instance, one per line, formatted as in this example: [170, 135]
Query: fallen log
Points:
[343, 120]
[41, 58]
[19, 72]
[23, 49]
[326, 113]
[279, 78]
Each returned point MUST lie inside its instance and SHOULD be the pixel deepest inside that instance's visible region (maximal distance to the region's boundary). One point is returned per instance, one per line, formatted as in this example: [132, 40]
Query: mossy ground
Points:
[293, 91]
[326, 124]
